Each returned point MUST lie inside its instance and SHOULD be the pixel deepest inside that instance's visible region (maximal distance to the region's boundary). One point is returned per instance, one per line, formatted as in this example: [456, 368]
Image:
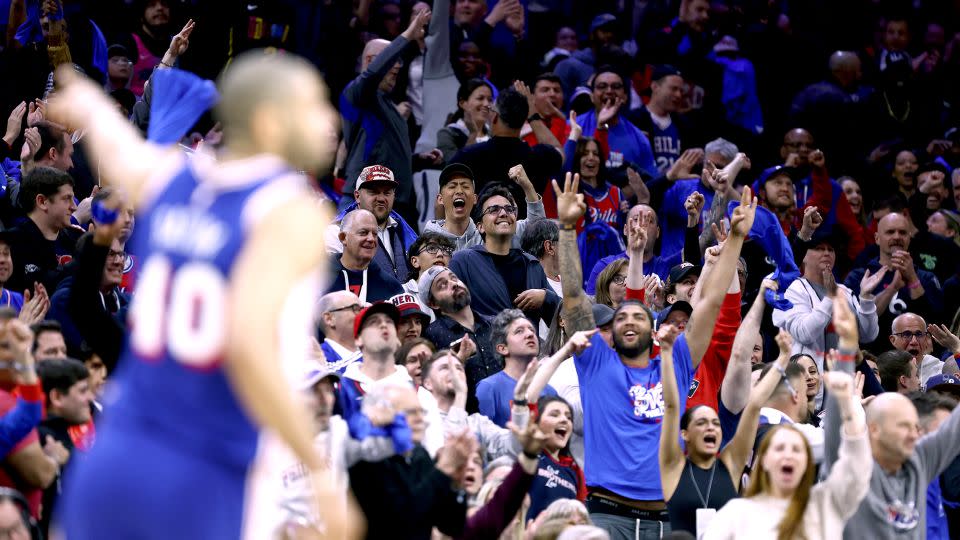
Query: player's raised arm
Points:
[123, 157]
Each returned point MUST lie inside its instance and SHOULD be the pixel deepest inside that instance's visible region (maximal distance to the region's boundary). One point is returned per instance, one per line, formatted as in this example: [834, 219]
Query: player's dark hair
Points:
[51, 136]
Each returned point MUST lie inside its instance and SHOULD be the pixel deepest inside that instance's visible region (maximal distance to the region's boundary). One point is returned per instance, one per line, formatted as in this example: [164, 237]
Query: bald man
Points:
[904, 465]
[375, 133]
[910, 333]
[336, 314]
[352, 269]
[659, 264]
[905, 287]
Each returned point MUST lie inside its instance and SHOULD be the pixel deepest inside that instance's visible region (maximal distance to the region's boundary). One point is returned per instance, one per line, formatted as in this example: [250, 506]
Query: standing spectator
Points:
[548, 100]
[782, 498]
[48, 341]
[337, 312]
[151, 40]
[932, 410]
[119, 68]
[54, 150]
[559, 476]
[491, 161]
[659, 118]
[626, 145]
[898, 372]
[809, 320]
[621, 434]
[442, 291]
[904, 464]
[907, 288]
[499, 275]
[605, 202]
[576, 70]
[354, 270]
[467, 126]
[67, 386]
[376, 192]
[515, 342]
[373, 129]
[458, 198]
[45, 240]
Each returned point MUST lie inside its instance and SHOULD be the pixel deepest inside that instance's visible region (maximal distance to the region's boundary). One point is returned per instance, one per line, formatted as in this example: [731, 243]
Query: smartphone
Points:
[455, 345]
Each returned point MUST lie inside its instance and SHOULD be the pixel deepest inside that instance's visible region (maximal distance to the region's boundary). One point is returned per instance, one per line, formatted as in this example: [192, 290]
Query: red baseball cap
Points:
[376, 307]
[407, 305]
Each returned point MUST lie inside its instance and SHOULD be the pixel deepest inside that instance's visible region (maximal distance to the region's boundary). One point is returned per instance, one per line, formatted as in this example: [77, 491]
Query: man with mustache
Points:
[621, 388]
[905, 287]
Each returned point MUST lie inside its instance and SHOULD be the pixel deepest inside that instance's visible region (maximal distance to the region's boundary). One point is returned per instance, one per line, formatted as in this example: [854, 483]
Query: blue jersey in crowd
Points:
[622, 416]
[495, 394]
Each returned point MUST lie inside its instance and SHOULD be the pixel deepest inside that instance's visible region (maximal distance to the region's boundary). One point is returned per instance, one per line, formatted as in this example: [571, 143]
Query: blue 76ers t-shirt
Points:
[622, 416]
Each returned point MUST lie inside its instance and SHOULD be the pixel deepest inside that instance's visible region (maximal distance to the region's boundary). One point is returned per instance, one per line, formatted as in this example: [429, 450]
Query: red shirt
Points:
[705, 389]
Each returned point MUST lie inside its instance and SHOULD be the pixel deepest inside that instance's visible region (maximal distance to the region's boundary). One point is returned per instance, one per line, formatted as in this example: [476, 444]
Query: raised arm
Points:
[577, 311]
[636, 243]
[671, 455]
[735, 454]
[844, 360]
[577, 343]
[700, 328]
[364, 87]
[124, 158]
[735, 389]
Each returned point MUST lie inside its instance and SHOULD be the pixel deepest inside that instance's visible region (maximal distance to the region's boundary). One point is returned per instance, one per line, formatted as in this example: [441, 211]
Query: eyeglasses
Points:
[910, 335]
[608, 86]
[620, 279]
[434, 249]
[786, 381]
[495, 209]
[117, 255]
[353, 307]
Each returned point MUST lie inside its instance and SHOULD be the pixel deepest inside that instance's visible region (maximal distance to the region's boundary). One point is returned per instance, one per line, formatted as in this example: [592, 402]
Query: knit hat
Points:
[426, 282]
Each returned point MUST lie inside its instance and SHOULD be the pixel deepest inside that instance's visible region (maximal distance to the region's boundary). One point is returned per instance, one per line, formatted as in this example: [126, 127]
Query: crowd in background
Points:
[583, 257]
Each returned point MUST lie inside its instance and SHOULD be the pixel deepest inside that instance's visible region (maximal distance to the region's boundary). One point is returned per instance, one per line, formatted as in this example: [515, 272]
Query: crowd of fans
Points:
[585, 256]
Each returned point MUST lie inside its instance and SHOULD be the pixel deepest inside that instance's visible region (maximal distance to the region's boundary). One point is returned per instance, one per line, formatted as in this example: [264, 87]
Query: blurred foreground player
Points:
[180, 449]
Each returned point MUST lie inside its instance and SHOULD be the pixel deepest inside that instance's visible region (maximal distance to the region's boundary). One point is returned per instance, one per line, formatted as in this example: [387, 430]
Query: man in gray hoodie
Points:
[904, 464]
[458, 197]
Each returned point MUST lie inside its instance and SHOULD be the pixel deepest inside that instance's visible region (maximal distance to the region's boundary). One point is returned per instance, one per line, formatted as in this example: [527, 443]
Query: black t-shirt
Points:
[513, 269]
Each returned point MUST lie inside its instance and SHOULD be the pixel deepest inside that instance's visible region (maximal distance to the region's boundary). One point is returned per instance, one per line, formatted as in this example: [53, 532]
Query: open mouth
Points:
[561, 432]
[787, 470]
[630, 334]
[469, 478]
[459, 202]
[710, 439]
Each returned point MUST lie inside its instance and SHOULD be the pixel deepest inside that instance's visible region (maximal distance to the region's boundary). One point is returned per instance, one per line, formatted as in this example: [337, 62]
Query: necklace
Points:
[899, 119]
[693, 479]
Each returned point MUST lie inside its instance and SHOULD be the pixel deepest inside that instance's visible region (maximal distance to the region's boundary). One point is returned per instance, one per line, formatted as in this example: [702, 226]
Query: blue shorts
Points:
[140, 488]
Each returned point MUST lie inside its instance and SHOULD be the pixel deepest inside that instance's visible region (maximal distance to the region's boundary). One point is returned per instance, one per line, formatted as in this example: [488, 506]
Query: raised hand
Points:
[14, 122]
[580, 341]
[524, 90]
[570, 204]
[515, 20]
[840, 384]
[638, 186]
[844, 321]
[817, 160]
[37, 112]
[519, 175]
[531, 439]
[684, 164]
[520, 390]
[467, 349]
[418, 26]
[784, 342]
[31, 144]
[694, 207]
[180, 42]
[945, 337]
[870, 282]
[742, 219]
[636, 239]
[902, 262]
[609, 110]
[35, 306]
[576, 130]
[812, 219]
[666, 335]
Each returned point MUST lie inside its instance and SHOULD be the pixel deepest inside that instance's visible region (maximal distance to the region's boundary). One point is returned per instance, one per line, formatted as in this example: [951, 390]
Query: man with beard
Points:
[620, 387]
[353, 269]
[905, 287]
[514, 340]
[448, 297]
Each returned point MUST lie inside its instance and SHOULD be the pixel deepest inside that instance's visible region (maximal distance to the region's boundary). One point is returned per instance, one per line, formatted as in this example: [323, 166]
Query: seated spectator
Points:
[932, 410]
[375, 192]
[55, 149]
[337, 312]
[559, 477]
[910, 333]
[8, 298]
[65, 382]
[353, 269]
[548, 104]
[812, 386]
[429, 249]
[456, 321]
[515, 342]
[48, 341]
[467, 126]
[19, 421]
[499, 275]
[44, 241]
[898, 372]
[788, 406]
[908, 288]
[492, 161]
[458, 198]
[782, 480]
[945, 223]
[412, 320]
[540, 240]
[14, 515]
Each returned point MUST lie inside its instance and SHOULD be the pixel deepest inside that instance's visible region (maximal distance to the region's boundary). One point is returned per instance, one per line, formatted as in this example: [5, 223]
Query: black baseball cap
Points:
[679, 305]
[664, 70]
[455, 170]
[682, 270]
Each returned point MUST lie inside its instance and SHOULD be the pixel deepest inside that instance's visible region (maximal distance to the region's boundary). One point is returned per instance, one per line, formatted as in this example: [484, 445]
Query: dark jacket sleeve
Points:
[691, 246]
[99, 329]
[492, 518]
[363, 89]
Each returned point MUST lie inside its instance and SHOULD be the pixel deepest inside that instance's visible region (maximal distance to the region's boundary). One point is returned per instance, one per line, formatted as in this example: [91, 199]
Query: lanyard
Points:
[363, 287]
[693, 479]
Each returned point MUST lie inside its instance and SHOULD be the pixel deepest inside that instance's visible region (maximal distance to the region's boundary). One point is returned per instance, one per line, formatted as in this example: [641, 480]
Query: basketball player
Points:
[229, 252]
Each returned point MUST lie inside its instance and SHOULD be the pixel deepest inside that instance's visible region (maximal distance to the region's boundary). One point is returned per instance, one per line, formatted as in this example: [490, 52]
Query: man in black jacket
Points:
[407, 495]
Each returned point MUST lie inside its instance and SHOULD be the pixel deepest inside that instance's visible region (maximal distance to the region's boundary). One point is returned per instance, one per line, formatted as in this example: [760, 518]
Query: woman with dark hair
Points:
[811, 374]
[559, 476]
[782, 501]
[468, 125]
[412, 354]
[585, 156]
[707, 477]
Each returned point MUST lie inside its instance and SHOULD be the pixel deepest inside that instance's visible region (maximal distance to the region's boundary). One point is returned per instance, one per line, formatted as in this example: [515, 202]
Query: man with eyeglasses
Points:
[910, 333]
[499, 275]
[337, 313]
[429, 250]
[627, 145]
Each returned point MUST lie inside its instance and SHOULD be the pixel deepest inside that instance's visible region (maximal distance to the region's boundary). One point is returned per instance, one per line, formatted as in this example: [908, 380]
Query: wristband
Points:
[915, 285]
[520, 403]
[103, 215]
[846, 357]
[534, 117]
